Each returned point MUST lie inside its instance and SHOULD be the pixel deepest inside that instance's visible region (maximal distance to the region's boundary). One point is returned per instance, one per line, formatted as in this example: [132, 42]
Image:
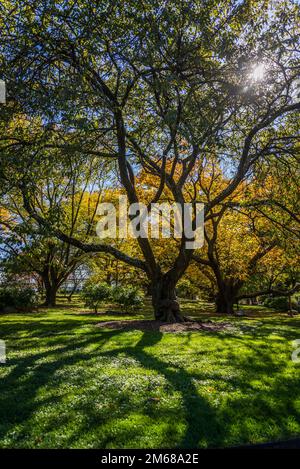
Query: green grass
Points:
[69, 384]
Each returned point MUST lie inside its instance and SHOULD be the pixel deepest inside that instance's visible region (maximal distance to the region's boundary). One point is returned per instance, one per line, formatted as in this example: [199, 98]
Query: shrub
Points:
[17, 298]
[127, 297]
[186, 289]
[93, 295]
[279, 303]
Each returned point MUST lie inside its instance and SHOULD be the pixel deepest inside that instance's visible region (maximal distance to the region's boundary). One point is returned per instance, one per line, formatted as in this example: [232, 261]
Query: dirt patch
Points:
[152, 325]
[105, 313]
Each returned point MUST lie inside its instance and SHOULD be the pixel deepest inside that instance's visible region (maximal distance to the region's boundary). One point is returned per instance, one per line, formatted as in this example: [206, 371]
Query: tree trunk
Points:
[224, 304]
[227, 297]
[149, 289]
[51, 293]
[164, 300]
[69, 297]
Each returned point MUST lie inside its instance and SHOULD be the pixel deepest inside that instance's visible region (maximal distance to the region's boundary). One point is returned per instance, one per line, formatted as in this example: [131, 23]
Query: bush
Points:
[127, 297]
[186, 289]
[93, 295]
[17, 298]
[279, 303]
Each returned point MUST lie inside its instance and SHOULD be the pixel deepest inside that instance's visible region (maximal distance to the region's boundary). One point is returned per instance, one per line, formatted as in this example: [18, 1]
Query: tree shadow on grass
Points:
[201, 423]
[204, 424]
[20, 387]
[31, 373]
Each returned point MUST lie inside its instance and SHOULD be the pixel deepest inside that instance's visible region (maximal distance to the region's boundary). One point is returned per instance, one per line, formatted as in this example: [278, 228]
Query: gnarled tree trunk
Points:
[227, 296]
[164, 300]
[224, 303]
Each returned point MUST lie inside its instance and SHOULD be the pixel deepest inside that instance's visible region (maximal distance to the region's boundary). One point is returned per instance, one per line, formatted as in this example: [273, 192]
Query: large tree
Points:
[26, 251]
[131, 81]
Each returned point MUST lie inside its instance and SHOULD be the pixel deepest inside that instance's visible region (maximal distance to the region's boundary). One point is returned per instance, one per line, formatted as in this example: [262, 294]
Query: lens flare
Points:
[258, 72]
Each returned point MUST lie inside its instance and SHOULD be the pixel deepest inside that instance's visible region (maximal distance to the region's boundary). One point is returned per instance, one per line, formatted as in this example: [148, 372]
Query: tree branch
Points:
[86, 247]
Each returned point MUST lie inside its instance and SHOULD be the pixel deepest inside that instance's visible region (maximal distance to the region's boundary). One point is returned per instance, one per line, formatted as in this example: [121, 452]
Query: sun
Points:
[258, 72]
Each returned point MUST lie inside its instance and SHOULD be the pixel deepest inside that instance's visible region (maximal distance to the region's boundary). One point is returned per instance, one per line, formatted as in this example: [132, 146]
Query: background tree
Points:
[68, 197]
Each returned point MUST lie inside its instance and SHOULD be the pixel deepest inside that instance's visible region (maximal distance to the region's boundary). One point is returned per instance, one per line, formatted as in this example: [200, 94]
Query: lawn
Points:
[70, 384]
